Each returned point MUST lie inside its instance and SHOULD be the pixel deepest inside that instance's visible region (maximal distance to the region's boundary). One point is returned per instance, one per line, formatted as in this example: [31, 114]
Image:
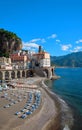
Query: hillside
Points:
[9, 42]
[70, 60]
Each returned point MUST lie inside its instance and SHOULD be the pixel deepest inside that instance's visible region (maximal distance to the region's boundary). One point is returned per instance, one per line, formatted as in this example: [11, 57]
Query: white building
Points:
[41, 59]
[45, 63]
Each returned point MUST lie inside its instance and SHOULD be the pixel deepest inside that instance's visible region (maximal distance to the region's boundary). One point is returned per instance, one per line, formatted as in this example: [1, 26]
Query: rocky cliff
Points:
[9, 42]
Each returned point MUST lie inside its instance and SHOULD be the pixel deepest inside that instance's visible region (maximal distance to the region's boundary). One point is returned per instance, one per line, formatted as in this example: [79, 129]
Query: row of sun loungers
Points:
[30, 107]
[33, 100]
[13, 101]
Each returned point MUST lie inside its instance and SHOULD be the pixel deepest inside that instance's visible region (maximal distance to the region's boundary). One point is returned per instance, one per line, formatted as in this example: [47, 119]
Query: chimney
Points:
[40, 49]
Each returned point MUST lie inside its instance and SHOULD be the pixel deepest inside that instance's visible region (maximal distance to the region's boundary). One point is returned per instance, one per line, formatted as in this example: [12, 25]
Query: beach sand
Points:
[46, 117]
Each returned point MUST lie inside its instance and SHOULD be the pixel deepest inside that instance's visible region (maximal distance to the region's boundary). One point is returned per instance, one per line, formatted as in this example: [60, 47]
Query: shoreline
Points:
[54, 122]
[63, 122]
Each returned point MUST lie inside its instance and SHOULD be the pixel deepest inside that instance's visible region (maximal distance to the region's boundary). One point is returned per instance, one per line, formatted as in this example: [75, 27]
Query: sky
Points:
[56, 25]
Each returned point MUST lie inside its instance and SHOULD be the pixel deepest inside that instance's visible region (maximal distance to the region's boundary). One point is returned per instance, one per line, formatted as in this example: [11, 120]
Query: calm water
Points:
[69, 87]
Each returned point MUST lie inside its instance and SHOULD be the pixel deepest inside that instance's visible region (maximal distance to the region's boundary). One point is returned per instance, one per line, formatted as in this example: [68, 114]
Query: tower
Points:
[40, 49]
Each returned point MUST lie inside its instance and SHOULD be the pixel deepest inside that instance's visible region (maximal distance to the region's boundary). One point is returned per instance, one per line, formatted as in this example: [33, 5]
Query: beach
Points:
[46, 117]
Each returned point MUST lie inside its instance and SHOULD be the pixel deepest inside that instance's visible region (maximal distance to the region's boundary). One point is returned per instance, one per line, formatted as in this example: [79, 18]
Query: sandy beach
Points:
[45, 117]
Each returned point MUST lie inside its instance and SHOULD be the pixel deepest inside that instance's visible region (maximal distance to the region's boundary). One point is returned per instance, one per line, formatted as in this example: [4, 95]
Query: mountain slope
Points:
[9, 42]
[70, 60]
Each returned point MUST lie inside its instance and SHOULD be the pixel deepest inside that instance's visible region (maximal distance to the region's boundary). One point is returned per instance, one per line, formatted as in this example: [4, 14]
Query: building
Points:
[5, 63]
[45, 61]
[5, 60]
[41, 59]
[20, 60]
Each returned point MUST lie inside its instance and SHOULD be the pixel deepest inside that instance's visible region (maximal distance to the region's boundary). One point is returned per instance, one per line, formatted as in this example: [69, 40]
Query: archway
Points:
[52, 70]
[18, 74]
[31, 73]
[6, 75]
[23, 73]
[45, 72]
[1, 75]
[13, 75]
[27, 73]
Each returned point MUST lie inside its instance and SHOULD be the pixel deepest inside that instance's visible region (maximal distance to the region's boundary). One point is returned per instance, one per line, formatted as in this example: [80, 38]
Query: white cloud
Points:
[30, 46]
[35, 40]
[57, 40]
[52, 36]
[42, 40]
[79, 41]
[34, 45]
[66, 47]
[76, 49]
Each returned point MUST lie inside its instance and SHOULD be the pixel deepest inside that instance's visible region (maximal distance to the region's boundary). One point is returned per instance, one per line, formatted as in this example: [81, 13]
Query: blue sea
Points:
[69, 88]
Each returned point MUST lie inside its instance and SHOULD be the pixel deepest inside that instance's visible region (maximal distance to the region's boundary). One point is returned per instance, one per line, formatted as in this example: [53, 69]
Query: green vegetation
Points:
[9, 42]
[70, 60]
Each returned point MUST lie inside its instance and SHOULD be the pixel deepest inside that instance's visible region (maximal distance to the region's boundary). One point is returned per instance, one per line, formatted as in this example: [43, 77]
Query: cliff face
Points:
[9, 42]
